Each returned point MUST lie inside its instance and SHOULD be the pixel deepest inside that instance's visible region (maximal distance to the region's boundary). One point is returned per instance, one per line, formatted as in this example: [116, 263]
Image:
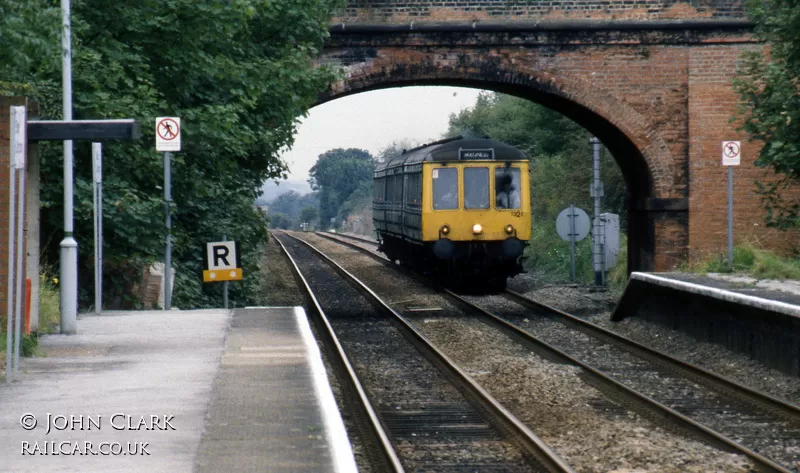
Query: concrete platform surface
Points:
[102, 389]
[178, 391]
[787, 291]
[272, 409]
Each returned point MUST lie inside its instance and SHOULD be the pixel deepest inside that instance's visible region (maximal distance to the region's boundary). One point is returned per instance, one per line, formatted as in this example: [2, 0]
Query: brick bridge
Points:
[651, 79]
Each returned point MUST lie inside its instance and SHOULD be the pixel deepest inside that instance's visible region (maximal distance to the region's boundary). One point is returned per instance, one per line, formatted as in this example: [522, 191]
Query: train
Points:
[458, 209]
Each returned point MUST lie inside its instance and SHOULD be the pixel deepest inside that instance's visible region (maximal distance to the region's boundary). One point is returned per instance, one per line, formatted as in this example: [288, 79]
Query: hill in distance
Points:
[272, 189]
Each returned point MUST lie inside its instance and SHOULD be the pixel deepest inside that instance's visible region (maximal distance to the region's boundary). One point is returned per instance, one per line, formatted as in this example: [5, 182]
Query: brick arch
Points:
[650, 170]
[641, 152]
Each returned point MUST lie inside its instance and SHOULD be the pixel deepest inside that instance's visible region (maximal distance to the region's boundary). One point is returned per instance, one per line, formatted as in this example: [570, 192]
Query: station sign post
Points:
[222, 262]
[168, 139]
[731, 156]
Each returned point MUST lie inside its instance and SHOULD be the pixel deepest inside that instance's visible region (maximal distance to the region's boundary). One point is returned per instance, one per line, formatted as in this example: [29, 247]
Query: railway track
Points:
[724, 413]
[420, 412]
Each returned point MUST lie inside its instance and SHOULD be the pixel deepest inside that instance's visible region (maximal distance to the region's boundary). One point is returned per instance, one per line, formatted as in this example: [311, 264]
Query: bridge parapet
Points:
[406, 11]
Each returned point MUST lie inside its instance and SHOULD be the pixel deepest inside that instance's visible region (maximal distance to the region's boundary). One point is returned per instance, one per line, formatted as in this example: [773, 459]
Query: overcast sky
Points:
[373, 120]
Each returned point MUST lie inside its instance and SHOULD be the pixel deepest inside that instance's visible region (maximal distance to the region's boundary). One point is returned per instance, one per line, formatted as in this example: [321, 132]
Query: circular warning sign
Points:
[168, 134]
[731, 154]
[168, 129]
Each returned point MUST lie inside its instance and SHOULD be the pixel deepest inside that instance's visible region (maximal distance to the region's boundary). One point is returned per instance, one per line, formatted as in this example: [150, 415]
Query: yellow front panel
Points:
[214, 275]
[461, 221]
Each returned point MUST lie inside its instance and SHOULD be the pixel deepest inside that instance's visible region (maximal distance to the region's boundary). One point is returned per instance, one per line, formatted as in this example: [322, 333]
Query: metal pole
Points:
[225, 284]
[572, 237]
[100, 237]
[97, 157]
[730, 217]
[69, 247]
[597, 194]
[20, 275]
[12, 193]
[168, 250]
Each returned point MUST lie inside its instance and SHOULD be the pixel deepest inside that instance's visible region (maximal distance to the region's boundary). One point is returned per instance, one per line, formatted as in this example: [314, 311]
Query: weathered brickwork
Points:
[396, 11]
[661, 100]
[712, 104]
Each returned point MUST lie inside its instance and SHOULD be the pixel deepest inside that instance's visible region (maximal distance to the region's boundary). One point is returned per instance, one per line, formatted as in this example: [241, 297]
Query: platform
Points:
[175, 391]
[758, 321]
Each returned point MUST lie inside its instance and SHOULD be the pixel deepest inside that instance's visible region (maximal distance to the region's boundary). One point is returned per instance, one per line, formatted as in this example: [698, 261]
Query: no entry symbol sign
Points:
[731, 153]
[168, 134]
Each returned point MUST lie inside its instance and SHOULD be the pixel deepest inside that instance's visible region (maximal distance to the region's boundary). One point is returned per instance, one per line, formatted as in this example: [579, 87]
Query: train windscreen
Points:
[445, 188]
[507, 188]
[476, 188]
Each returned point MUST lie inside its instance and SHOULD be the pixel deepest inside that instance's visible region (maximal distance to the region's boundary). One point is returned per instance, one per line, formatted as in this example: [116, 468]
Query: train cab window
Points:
[445, 188]
[476, 188]
[507, 188]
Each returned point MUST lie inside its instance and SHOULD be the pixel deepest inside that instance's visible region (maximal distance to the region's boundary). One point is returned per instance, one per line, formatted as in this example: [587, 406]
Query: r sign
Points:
[222, 262]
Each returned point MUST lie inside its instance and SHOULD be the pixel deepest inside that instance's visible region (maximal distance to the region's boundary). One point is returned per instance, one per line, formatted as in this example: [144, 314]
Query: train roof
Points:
[456, 149]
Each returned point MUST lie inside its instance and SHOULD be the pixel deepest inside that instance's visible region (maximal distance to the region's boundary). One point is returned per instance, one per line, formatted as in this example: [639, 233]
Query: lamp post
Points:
[69, 247]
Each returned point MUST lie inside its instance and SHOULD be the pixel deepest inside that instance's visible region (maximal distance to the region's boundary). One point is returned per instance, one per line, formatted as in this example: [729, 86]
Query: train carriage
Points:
[458, 207]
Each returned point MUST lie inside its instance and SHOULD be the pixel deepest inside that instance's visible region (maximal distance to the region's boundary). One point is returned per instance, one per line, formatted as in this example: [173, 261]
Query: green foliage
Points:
[550, 256]
[309, 214]
[769, 89]
[285, 211]
[49, 302]
[559, 149]
[561, 174]
[339, 175]
[279, 220]
[750, 259]
[28, 345]
[239, 74]
[617, 277]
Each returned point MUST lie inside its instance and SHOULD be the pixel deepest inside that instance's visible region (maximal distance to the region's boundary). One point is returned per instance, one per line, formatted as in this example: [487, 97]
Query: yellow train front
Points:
[457, 207]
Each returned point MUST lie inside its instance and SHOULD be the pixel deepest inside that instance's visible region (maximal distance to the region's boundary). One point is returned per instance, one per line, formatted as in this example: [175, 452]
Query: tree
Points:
[238, 73]
[394, 150]
[309, 214]
[561, 159]
[769, 89]
[337, 174]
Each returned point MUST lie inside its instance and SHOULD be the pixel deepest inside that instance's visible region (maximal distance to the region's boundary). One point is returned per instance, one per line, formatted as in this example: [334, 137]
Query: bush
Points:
[548, 256]
[49, 302]
[753, 260]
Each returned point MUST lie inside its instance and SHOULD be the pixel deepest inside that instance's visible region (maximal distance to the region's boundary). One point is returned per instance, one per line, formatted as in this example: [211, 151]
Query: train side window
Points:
[507, 188]
[413, 192]
[476, 188]
[445, 188]
[379, 189]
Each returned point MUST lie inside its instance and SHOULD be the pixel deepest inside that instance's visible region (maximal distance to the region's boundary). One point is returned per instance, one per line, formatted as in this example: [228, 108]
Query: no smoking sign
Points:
[731, 153]
[168, 134]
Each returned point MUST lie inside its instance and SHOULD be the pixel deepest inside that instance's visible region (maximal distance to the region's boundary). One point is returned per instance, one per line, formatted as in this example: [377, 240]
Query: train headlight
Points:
[477, 229]
[445, 229]
[509, 229]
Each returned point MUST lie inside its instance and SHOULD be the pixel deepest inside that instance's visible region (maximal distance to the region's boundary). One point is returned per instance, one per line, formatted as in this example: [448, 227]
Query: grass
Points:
[549, 257]
[49, 318]
[49, 302]
[752, 260]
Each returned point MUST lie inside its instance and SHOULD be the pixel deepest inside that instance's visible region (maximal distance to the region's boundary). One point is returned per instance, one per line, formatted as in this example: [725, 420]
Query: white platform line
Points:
[342, 452]
[721, 294]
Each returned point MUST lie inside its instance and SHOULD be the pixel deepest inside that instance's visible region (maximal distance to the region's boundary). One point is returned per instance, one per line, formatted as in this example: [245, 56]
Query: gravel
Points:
[596, 307]
[402, 383]
[592, 432]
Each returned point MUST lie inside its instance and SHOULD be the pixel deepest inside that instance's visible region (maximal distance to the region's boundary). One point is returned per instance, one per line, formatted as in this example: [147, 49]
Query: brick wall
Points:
[660, 100]
[403, 11]
[712, 103]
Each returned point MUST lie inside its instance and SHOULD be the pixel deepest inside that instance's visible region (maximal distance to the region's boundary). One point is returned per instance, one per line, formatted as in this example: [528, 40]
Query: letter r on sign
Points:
[220, 253]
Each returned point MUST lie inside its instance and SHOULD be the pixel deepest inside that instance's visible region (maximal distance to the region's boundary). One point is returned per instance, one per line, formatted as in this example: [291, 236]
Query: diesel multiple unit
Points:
[457, 207]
